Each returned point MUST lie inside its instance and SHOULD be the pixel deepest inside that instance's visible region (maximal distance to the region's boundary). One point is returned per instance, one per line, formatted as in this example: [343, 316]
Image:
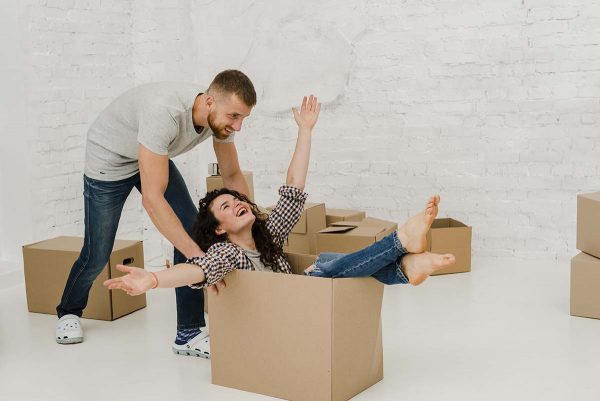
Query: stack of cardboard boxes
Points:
[585, 267]
[288, 336]
[306, 338]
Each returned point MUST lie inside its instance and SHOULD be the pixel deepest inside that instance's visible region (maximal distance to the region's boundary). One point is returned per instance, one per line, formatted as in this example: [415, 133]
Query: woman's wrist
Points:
[154, 281]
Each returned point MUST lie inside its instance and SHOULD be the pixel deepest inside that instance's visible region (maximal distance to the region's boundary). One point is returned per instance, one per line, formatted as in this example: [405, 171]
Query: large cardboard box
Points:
[351, 236]
[451, 236]
[47, 266]
[588, 223]
[297, 337]
[585, 286]
[335, 215]
[216, 182]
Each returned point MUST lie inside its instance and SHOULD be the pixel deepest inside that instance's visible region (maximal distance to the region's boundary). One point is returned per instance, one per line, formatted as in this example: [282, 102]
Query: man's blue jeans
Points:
[380, 260]
[103, 203]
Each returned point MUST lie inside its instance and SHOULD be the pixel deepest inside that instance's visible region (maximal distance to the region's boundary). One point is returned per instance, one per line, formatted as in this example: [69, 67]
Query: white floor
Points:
[502, 332]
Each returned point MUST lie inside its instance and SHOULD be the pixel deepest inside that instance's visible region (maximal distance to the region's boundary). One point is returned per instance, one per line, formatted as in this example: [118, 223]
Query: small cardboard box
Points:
[216, 182]
[588, 223]
[297, 337]
[451, 236]
[351, 236]
[302, 238]
[47, 266]
[585, 286]
[335, 215]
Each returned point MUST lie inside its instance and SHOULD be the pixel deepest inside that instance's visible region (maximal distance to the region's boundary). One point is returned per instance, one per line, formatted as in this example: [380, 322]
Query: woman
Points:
[236, 235]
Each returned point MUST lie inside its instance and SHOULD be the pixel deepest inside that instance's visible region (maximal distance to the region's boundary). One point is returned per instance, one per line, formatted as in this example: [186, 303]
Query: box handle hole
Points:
[128, 261]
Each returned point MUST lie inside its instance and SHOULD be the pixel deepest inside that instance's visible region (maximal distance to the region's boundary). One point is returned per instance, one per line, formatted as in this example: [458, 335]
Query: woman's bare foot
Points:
[417, 267]
[413, 234]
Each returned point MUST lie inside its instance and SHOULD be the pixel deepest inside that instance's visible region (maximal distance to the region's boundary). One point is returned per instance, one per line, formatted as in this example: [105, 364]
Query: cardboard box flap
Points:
[337, 229]
[346, 224]
[302, 226]
[447, 223]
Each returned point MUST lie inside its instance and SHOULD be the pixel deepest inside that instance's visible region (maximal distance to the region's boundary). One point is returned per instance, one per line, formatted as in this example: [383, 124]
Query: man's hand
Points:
[308, 114]
[136, 282]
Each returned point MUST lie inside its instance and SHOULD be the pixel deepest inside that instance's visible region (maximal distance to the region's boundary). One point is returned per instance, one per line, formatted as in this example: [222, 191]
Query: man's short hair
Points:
[234, 81]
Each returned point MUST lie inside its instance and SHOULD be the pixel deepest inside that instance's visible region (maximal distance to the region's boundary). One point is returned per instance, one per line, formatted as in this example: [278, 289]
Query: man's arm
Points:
[229, 166]
[154, 174]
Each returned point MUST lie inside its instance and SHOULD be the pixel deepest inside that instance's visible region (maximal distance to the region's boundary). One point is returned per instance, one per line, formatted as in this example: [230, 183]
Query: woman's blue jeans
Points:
[380, 260]
[103, 203]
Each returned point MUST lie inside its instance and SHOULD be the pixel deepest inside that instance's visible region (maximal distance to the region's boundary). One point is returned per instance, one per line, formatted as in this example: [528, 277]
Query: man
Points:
[130, 145]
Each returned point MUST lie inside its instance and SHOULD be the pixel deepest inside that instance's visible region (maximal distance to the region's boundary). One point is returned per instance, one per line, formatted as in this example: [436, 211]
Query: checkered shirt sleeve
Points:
[220, 259]
[286, 213]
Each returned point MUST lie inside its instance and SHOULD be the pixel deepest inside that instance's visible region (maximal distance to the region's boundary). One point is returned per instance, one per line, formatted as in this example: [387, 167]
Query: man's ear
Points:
[210, 101]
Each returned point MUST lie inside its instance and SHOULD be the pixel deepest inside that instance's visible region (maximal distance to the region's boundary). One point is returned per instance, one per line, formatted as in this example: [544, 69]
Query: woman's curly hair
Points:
[204, 230]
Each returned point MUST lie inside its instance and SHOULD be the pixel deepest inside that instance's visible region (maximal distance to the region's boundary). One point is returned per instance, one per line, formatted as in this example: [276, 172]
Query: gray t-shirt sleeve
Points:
[157, 129]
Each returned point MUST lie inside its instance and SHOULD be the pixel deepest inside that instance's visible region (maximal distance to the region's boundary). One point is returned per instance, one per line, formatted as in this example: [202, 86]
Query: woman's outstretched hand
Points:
[308, 114]
[137, 281]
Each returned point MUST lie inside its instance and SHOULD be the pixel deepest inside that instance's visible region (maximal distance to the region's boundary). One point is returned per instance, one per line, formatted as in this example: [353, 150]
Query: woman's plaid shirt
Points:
[224, 257]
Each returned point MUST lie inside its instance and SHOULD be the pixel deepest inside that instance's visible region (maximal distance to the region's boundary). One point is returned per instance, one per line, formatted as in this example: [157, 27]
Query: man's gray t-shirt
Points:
[156, 115]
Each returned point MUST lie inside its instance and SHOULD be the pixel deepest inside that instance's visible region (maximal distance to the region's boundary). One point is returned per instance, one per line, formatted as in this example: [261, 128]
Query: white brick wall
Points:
[492, 104]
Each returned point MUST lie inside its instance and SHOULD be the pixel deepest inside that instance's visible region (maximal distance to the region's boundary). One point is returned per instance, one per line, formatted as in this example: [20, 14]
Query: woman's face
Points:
[233, 215]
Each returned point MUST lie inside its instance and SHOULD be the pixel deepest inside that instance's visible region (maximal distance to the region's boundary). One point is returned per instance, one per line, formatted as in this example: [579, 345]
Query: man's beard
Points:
[219, 133]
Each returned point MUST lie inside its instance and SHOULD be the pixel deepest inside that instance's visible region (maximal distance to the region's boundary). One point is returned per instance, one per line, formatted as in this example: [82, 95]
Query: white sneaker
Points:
[197, 346]
[69, 330]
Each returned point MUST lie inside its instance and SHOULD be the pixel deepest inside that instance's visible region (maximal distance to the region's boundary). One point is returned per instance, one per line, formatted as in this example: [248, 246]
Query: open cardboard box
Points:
[352, 236]
[451, 236]
[297, 337]
[47, 266]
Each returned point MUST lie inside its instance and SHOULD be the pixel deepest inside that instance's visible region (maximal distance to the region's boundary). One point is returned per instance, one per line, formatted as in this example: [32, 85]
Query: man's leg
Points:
[190, 302]
[103, 203]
